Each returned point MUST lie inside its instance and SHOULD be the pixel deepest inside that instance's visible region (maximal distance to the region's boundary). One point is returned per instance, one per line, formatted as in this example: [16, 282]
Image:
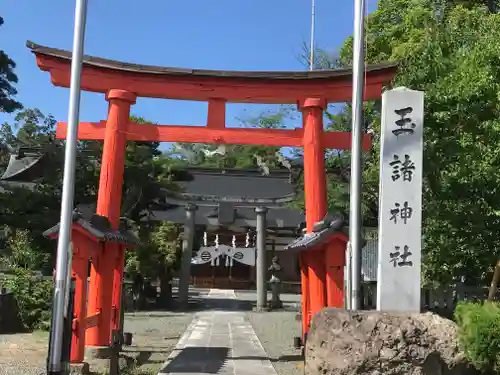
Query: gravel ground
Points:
[291, 302]
[155, 335]
[23, 353]
[276, 331]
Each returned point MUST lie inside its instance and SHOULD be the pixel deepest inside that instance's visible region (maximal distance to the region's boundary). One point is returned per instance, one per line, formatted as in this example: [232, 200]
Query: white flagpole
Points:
[68, 192]
[355, 222]
[313, 27]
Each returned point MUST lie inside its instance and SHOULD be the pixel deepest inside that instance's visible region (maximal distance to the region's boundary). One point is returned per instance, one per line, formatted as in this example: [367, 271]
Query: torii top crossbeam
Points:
[102, 75]
[217, 88]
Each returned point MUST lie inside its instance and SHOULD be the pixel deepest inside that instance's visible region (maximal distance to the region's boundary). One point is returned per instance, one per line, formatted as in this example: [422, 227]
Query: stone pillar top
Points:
[191, 207]
[115, 94]
[261, 210]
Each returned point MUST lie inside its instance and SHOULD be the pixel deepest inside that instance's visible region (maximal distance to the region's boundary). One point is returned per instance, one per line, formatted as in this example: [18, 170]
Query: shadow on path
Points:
[281, 358]
[227, 304]
[203, 360]
[211, 360]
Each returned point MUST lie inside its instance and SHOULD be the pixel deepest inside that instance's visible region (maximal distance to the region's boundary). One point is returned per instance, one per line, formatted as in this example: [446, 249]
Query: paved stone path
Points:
[221, 341]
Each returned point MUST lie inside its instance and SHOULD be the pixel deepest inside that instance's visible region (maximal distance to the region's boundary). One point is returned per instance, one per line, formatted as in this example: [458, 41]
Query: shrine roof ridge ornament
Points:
[272, 87]
[323, 231]
[98, 226]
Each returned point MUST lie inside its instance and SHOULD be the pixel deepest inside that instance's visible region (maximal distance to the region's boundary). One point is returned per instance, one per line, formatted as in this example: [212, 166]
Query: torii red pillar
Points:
[80, 268]
[313, 277]
[107, 270]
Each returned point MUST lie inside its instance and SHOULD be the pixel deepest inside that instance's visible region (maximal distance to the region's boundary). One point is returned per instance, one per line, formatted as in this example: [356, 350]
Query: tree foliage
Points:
[236, 156]
[448, 50]
[22, 260]
[159, 252]
[7, 81]
[37, 208]
[19, 251]
[478, 333]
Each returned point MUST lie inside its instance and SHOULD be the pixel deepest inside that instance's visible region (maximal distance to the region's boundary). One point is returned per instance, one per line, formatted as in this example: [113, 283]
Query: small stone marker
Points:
[400, 197]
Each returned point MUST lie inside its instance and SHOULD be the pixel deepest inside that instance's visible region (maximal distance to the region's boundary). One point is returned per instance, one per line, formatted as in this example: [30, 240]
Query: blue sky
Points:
[217, 34]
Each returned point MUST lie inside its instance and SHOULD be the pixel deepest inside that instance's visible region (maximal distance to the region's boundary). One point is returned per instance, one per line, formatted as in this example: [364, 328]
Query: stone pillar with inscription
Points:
[400, 197]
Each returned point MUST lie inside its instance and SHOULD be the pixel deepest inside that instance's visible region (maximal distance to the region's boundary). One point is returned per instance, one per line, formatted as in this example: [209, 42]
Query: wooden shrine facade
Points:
[222, 273]
[122, 83]
[226, 200]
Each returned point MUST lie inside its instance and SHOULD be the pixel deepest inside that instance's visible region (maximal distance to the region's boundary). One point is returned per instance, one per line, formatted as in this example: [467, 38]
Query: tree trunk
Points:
[492, 6]
[138, 293]
[494, 282]
[165, 298]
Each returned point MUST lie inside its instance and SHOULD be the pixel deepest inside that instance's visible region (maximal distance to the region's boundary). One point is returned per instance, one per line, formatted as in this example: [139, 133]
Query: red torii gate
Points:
[123, 82]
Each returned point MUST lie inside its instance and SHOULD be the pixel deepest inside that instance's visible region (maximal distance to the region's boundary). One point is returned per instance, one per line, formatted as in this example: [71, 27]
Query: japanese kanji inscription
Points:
[401, 213]
[405, 124]
[402, 168]
[401, 258]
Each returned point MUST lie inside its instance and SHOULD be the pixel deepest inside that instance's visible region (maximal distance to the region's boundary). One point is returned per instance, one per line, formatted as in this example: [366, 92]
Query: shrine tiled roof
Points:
[238, 190]
[237, 183]
[245, 216]
[98, 226]
[321, 233]
[24, 168]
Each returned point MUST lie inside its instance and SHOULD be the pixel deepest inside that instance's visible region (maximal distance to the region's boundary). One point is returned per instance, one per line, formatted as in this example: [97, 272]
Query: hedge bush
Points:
[21, 259]
[479, 334]
[33, 296]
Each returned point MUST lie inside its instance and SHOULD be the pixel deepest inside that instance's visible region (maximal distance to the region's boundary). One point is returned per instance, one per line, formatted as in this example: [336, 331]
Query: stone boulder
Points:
[10, 318]
[375, 343]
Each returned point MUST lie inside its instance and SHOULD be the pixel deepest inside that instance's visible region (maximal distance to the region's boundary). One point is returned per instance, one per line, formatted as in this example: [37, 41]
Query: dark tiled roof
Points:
[234, 183]
[176, 198]
[241, 189]
[98, 226]
[245, 216]
[24, 168]
[321, 233]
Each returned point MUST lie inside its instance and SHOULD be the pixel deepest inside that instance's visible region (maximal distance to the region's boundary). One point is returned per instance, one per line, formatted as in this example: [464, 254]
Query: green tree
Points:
[37, 208]
[337, 162]
[449, 51]
[33, 210]
[236, 156]
[19, 251]
[20, 259]
[157, 257]
[7, 81]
